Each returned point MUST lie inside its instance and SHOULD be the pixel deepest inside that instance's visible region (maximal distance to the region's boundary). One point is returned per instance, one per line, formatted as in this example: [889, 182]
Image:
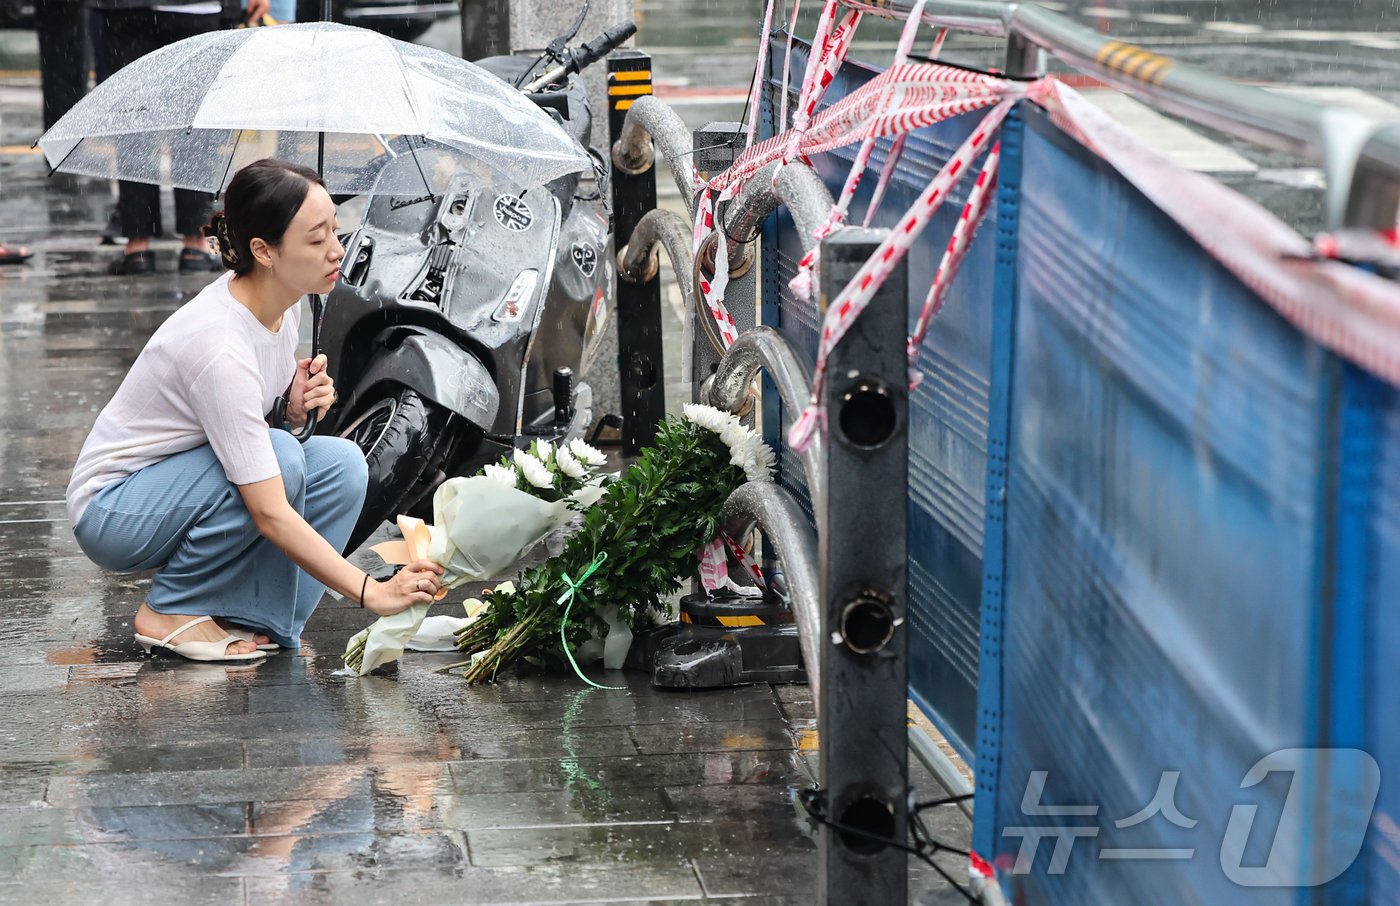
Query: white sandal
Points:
[246, 636]
[197, 651]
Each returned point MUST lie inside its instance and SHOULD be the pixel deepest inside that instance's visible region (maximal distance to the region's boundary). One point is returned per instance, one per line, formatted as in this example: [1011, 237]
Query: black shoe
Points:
[134, 263]
[113, 229]
[196, 260]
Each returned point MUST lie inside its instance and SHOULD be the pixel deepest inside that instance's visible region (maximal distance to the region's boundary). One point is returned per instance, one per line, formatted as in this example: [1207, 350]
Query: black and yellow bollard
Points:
[641, 374]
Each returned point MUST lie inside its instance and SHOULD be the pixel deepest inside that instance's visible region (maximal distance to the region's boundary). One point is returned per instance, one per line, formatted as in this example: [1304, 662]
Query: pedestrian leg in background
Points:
[63, 64]
[127, 35]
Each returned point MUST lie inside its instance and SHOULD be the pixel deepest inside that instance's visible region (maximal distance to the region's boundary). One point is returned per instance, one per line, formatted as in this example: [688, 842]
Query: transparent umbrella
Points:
[339, 99]
[342, 100]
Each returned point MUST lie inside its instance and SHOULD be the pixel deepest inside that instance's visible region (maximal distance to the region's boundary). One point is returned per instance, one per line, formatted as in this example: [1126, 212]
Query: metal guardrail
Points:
[1356, 152]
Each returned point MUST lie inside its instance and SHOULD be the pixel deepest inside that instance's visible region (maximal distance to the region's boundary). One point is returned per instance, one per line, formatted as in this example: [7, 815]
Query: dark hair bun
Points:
[218, 229]
[259, 203]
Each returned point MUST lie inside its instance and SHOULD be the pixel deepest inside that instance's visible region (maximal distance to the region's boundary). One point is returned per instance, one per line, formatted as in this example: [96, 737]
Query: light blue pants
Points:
[183, 518]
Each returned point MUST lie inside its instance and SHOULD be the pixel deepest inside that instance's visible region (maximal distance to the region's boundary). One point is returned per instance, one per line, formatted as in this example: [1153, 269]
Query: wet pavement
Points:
[127, 779]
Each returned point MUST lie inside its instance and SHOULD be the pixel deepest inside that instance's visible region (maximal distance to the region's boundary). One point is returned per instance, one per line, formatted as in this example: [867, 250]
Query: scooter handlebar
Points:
[604, 44]
[586, 55]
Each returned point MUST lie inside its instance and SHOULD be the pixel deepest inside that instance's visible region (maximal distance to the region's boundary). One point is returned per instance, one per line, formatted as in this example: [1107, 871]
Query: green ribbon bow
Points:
[567, 599]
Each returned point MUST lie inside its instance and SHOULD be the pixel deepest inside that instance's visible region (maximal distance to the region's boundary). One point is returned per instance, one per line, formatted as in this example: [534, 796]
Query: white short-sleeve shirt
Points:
[209, 374]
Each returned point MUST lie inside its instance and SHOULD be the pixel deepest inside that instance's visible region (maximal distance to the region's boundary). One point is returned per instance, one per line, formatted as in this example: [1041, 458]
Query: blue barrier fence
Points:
[1191, 559]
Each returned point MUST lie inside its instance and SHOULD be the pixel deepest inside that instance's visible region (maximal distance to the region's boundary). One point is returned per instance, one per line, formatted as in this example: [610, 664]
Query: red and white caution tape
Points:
[978, 201]
[743, 560]
[903, 98]
[937, 47]
[886, 172]
[801, 284]
[982, 880]
[897, 149]
[754, 92]
[836, 28]
[1346, 309]
[852, 300]
[714, 563]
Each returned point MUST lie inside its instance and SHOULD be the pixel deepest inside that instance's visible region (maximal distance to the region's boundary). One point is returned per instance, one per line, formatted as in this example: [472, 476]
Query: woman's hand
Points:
[312, 389]
[416, 583]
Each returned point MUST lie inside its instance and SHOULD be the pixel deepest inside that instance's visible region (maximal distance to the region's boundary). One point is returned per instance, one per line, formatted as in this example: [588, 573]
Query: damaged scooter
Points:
[467, 314]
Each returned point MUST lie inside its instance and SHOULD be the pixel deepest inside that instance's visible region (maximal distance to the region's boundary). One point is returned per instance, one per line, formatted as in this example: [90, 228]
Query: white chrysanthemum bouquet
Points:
[634, 547]
[482, 526]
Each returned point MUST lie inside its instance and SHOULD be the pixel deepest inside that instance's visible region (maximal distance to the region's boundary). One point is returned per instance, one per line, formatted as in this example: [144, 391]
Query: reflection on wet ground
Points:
[125, 779]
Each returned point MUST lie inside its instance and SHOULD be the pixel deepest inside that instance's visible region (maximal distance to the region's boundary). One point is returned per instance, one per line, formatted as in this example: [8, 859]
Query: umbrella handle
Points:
[318, 308]
[308, 429]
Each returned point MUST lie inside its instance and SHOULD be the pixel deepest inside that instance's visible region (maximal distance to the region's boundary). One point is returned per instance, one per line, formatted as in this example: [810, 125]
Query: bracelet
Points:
[363, 586]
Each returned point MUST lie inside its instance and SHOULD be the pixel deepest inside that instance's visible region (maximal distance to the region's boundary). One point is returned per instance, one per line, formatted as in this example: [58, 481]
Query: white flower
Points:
[570, 466]
[759, 466]
[500, 473]
[746, 449]
[533, 470]
[707, 417]
[587, 454]
[544, 451]
[736, 437]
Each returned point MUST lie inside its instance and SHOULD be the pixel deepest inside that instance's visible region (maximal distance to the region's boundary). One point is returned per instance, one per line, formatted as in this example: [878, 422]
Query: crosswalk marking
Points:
[1341, 96]
[1233, 28]
[1166, 19]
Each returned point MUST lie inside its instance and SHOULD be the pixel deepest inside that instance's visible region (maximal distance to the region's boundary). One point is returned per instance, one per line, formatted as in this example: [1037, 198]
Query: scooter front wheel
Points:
[403, 437]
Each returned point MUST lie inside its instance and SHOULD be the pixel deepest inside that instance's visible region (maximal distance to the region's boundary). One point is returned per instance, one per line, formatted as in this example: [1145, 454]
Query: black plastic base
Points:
[691, 656]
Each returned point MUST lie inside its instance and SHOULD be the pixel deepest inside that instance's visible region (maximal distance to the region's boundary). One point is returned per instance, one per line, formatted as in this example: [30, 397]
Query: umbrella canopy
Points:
[332, 97]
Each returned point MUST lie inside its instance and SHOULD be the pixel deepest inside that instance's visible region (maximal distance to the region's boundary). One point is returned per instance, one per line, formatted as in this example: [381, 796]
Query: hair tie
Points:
[227, 250]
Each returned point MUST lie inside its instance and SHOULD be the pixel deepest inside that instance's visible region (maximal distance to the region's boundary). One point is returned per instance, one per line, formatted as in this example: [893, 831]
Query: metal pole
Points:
[641, 375]
[864, 588]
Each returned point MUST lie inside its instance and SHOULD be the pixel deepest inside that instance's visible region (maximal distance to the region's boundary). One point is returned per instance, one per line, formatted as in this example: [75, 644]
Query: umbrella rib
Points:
[229, 166]
[382, 143]
[54, 169]
[419, 164]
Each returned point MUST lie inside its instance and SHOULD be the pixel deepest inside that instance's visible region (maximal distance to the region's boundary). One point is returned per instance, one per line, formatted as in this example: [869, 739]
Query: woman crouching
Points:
[184, 472]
